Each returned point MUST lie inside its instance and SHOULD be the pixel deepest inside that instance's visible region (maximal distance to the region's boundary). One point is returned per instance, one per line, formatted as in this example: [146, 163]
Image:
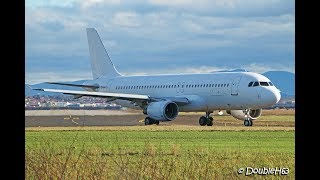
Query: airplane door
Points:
[180, 87]
[108, 88]
[235, 85]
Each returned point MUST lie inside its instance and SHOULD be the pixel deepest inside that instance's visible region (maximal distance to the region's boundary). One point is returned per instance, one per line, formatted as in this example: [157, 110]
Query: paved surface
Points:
[52, 121]
[68, 118]
[77, 112]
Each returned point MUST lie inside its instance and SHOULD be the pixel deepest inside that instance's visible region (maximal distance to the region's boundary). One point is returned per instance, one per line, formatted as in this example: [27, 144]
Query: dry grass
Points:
[162, 128]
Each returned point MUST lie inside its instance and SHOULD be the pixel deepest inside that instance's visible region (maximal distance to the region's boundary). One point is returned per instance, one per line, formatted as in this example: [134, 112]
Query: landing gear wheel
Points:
[157, 122]
[247, 122]
[210, 122]
[203, 121]
[147, 121]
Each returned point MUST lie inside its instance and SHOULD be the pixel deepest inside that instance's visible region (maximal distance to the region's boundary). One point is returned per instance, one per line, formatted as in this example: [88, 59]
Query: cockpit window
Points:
[256, 83]
[264, 83]
[250, 84]
[270, 83]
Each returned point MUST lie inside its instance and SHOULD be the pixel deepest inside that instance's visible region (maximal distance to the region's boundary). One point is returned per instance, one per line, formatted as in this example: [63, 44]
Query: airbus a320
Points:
[162, 97]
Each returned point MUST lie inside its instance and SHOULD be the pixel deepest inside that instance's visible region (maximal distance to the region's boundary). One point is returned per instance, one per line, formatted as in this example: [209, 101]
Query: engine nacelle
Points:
[163, 110]
[239, 114]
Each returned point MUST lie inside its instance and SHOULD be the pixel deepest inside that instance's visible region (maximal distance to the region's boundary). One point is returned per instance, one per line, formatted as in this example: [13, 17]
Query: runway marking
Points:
[75, 122]
[72, 119]
[141, 121]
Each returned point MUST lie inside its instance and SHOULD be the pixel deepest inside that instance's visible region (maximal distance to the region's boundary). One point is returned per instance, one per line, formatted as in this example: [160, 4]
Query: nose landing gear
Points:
[248, 120]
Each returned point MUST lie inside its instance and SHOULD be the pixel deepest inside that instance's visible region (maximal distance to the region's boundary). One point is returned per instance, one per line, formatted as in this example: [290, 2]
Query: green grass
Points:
[155, 154]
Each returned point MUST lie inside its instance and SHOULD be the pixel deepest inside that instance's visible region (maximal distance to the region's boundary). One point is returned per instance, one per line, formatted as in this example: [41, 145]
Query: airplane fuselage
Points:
[206, 92]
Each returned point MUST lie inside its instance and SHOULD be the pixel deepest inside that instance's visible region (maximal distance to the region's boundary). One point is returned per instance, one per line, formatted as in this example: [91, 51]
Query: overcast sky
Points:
[158, 36]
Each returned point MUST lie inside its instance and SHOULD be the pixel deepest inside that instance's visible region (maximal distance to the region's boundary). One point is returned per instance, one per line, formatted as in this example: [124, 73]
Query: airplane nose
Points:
[277, 95]
[271, 96]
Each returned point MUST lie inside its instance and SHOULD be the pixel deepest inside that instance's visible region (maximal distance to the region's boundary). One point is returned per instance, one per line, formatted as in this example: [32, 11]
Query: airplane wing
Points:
[92, 87]
[130, 97]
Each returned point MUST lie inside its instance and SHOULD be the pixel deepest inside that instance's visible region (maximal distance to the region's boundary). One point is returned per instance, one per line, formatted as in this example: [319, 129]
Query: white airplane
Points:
[162, 97]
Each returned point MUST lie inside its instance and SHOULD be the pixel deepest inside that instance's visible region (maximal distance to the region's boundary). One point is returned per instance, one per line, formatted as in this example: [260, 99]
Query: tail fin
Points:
[101, 63]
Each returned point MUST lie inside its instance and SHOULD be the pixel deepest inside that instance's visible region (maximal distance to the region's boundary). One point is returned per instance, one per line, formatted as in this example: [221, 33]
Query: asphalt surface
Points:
[130, 120]
[67, 121]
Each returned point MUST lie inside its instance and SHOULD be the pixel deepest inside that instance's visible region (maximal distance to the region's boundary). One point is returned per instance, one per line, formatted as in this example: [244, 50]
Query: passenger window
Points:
[256, 83]
[228, 85]
[250, 84]
[264, 84]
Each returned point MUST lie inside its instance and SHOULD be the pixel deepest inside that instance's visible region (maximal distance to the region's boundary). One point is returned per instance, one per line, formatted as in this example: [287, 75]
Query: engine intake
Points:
[163, 110]
[239, 114]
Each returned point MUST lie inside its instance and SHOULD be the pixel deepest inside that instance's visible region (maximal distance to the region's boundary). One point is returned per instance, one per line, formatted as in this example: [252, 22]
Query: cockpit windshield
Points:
[259, 83]
[264, 83]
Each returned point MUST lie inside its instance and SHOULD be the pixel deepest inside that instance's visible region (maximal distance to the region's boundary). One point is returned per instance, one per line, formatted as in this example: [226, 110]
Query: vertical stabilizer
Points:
[101, 63]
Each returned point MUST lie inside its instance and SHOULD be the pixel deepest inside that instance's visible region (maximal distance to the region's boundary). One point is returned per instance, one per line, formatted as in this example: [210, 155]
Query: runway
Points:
[57, 121]
[76, 118]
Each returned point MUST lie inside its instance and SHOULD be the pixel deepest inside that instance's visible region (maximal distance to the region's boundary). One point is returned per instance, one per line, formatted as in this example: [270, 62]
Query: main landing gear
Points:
[206, 120]
[149, 121]
[248, 120]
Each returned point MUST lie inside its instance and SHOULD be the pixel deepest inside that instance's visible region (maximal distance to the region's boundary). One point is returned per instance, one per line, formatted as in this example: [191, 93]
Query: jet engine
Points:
[239, 114]
[163, 110]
